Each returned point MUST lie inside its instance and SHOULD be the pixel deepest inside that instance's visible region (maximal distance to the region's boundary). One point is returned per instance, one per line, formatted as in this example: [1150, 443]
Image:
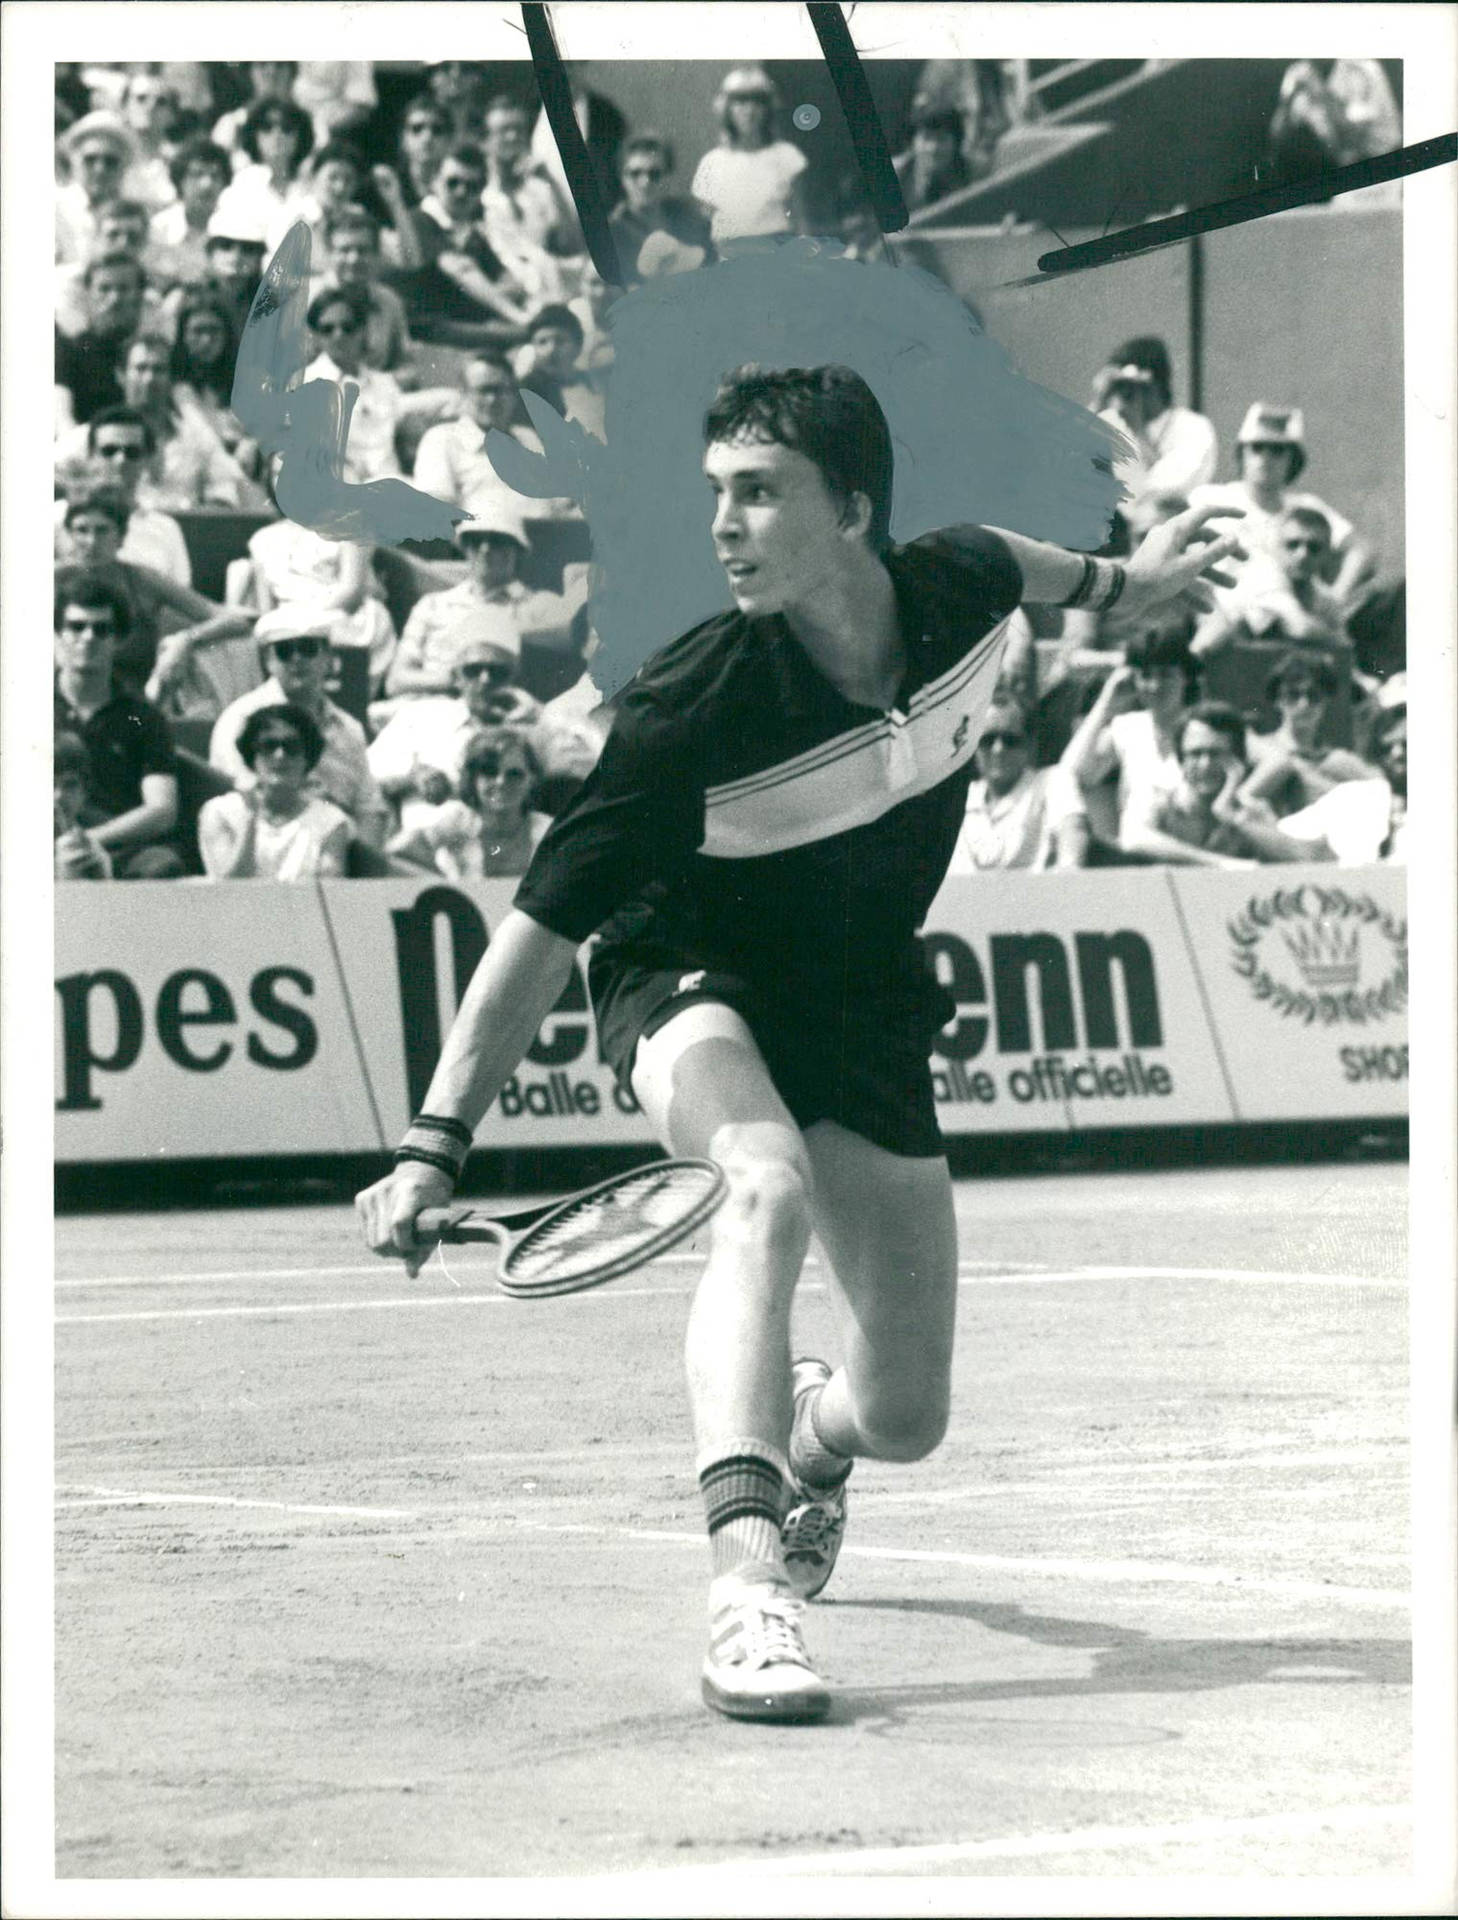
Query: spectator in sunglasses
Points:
[417, 756]
[121, 448]
[1292, 602]
[1294, 766]
[425, 133]
[1270, 456]
[490, 827]
[1018, 815]
[1198, 824]
[295, 647]
[647, 206]
[267, 80]
[271, 192]
[276, 829]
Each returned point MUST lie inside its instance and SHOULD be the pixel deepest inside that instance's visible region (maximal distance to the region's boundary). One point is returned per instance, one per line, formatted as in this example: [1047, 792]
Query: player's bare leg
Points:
[704, 1086]
[889, 1230]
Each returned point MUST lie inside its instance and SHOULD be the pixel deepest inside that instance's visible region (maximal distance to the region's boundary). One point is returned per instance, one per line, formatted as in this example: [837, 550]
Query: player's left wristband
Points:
[436, 1142]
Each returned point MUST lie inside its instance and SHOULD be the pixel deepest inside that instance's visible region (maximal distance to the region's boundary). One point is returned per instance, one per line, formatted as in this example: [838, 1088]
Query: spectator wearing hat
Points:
[416, 757]
[178, 232]
[750, 183]
[120, 445]
[1175, 449]
[88, 364]
[132, 778]
[272, 192]
[548, 366]
[293, 567]
[1293, 765]
[647, 207]
[97, 150]
[1270, 455]
[455, 285]
[1293, 602]
[234, 251]
[276, 829]
[78, 853]
[1136, 744]
[494, 544]
[491, 827]
[1018, 814]
[527, 220]
[934, 165]
[294, 644]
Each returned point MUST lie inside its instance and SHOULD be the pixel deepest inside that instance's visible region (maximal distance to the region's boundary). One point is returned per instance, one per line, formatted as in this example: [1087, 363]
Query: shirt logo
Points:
[691, 982]
[959, 738]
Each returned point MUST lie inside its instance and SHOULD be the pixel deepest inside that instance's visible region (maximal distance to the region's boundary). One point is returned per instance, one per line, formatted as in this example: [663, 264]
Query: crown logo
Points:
[1327, 954]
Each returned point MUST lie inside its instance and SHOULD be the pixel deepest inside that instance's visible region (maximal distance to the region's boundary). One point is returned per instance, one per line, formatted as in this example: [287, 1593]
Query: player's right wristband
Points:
[436, 1142]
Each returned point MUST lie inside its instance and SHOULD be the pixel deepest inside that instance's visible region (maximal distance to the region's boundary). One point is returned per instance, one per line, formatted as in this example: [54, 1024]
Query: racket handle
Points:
[447, 1223]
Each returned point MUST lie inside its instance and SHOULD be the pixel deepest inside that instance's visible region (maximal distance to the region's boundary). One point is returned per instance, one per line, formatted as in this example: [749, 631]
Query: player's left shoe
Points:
[813, 1530]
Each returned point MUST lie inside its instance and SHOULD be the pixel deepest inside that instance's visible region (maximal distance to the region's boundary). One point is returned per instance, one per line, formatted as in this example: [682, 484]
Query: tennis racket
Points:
[592, 1236]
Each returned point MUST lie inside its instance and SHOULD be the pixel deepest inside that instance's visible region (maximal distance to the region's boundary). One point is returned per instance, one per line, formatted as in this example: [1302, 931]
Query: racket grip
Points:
[441, 1223]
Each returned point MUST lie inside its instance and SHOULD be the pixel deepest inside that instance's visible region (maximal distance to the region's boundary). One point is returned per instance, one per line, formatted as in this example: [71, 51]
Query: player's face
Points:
[780, 534]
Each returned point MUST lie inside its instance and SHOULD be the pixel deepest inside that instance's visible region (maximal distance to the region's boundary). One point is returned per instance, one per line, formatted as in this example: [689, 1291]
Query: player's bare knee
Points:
[768, 1204]
[906, 1429]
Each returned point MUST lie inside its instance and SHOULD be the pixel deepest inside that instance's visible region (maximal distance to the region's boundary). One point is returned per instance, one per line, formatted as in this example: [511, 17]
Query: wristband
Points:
[1118, 576]
[437, 1142]
[1085, 582]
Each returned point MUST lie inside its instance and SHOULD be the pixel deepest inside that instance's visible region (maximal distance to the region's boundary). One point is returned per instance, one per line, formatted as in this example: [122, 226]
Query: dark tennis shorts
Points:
[864, 1066]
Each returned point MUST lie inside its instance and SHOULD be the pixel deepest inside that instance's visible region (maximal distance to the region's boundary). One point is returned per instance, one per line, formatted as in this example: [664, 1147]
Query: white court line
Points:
[1031, 1278]
[1127, 1572]
[1032, 1846]
[119, 1497]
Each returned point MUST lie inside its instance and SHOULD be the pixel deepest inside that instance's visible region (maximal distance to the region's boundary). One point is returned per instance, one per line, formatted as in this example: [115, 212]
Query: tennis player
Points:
[771, 818]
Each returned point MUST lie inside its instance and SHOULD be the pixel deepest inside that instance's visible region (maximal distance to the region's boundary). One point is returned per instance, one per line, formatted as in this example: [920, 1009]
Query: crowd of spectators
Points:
[327, 708]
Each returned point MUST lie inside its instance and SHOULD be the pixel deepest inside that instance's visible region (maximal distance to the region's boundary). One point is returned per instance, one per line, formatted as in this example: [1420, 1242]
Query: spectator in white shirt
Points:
[1361, 821]
[295, 645]
[179, 231]
[491, 827]
[1136, 744]
[1175, 448]
[1293, 765]
[148, 106]
[276, 828]
[271, 192]
[96, 151]
[1293, 603]
[338, 318]
[751, 182]
[1270, 455]
[122, 229]
[120, 445]
[267, 80]
[352, 248]
[1018, 815]
[531, 227]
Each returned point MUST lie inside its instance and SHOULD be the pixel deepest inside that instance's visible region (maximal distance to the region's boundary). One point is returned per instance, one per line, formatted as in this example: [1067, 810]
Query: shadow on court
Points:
[1129, 1661]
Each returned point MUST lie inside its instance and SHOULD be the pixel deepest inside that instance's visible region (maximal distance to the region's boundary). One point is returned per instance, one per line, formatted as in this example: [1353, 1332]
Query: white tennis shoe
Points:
[757, 1667]
[813, 1530]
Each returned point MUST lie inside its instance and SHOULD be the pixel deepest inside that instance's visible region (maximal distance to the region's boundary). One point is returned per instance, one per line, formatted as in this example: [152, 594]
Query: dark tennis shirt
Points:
[744, 815]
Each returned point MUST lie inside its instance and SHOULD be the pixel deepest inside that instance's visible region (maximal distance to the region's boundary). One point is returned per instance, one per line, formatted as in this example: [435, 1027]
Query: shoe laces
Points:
[772, 1632]
[816, 1526]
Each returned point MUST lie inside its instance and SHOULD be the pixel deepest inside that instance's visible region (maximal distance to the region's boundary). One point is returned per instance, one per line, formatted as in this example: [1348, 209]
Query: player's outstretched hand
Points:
[1183, 555]
[387, 1211]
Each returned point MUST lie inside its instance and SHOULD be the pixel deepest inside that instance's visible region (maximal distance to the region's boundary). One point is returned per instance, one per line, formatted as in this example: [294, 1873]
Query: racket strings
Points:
[612, 1224]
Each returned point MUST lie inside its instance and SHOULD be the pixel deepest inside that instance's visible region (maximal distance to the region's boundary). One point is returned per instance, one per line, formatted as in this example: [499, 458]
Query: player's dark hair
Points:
[290, 115]
[1220, 718]
[94, 587]
[827, 413]
[304, 725]
[120, 417]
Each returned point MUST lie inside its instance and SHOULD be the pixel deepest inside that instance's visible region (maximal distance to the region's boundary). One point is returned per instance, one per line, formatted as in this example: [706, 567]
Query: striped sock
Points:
[817, 1467]
[743, 1488]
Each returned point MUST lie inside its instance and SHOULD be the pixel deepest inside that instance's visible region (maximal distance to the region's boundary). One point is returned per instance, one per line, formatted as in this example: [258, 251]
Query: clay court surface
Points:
[362, 1577]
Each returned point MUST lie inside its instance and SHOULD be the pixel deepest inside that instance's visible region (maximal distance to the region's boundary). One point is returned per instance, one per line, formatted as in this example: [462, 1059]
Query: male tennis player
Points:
[771, 818]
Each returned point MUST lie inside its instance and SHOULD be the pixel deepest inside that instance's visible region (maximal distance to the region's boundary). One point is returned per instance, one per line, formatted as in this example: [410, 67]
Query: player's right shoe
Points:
[813, 1530]
[757, 1667]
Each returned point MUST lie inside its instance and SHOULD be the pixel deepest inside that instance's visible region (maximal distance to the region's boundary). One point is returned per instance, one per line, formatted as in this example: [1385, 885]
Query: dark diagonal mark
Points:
[873, 156]
[582, 176]
[1129, 243]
